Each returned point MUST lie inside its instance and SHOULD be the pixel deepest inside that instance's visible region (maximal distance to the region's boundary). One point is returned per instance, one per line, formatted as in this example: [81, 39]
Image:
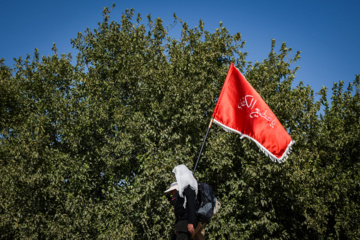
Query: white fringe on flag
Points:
[262, 148]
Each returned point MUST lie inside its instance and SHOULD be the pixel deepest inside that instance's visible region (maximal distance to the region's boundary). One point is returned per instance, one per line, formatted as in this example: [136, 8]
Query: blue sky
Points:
[326, 32]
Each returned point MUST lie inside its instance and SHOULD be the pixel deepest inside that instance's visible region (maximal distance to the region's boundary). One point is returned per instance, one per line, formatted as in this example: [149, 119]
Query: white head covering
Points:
[184, 178]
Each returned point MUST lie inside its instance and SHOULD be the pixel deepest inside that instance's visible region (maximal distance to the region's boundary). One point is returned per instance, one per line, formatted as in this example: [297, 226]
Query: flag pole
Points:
[202, 146]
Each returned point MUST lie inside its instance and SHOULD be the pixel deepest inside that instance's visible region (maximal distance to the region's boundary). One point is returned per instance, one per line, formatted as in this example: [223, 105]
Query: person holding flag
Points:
[185, 205]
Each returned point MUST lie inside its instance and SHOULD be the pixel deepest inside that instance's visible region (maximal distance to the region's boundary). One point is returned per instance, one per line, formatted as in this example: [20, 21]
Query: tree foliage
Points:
[87, 149]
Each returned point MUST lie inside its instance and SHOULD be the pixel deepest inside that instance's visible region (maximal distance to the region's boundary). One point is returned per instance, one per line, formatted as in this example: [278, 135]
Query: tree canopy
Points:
[87, 148]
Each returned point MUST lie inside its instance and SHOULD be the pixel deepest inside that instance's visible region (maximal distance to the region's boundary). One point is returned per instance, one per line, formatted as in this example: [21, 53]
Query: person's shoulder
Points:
[188, 188]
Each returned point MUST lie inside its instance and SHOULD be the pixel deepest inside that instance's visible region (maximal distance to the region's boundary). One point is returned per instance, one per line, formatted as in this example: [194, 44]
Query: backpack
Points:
[207, 202]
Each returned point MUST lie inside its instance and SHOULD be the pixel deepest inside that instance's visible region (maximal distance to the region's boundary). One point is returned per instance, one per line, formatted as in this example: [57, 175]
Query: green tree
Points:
[87, 149]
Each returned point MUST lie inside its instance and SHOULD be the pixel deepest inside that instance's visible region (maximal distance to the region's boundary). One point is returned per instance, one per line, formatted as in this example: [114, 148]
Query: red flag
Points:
[241, 109]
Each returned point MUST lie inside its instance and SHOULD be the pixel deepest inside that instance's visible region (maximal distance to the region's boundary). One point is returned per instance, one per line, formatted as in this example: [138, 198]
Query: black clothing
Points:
[188, 213]
[182, 232]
